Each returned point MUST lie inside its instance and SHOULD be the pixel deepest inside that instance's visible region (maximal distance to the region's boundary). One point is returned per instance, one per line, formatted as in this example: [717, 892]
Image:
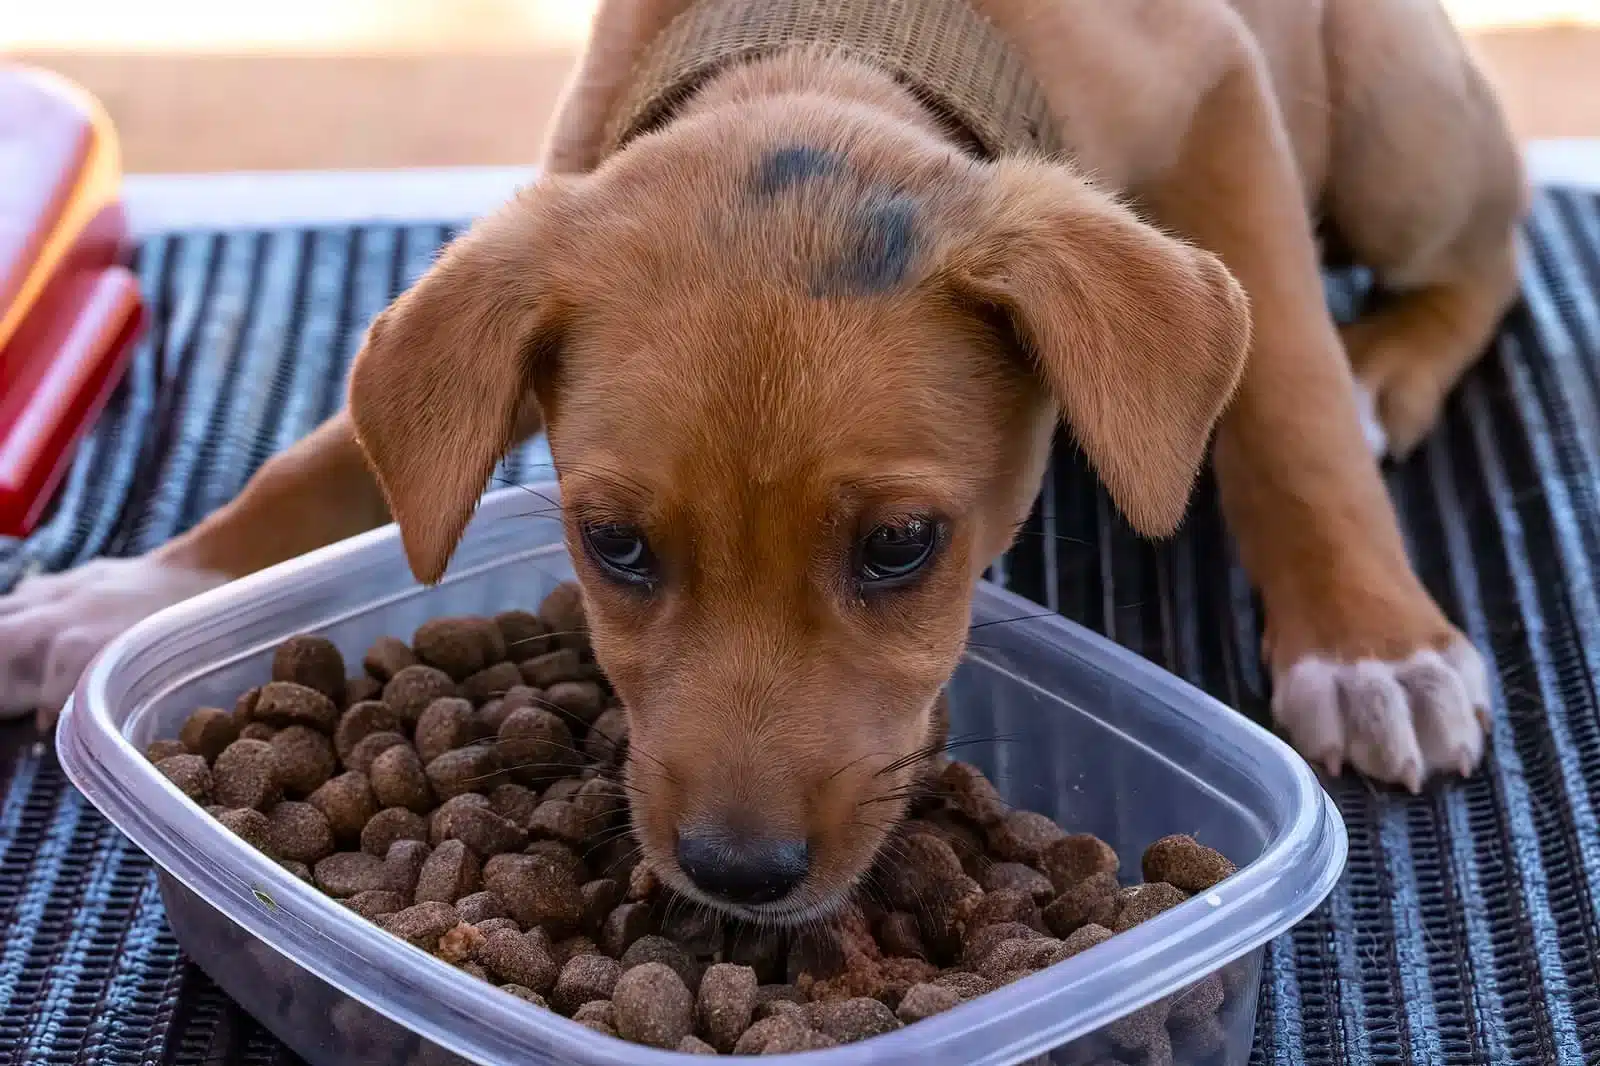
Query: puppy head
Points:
[799, 374]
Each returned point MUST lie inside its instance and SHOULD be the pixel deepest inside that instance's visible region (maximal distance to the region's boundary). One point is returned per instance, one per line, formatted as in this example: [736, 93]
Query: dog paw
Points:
[1399, 722]
[52, 626]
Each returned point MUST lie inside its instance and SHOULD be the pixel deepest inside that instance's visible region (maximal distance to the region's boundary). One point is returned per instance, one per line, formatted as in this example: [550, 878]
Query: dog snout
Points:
[742, 867]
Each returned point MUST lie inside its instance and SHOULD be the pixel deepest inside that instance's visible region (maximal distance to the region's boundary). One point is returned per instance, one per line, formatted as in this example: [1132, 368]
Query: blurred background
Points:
[204, 85]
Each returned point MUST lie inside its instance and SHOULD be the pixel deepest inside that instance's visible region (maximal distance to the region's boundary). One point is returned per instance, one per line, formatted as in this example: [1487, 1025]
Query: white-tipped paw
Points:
[52, 626]
[1398, 722]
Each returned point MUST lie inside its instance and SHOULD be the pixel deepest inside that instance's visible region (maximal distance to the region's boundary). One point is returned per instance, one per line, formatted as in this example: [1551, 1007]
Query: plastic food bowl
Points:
[1092, 735]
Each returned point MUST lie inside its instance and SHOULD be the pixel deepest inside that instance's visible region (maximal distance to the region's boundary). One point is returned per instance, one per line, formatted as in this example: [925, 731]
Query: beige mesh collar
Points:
[944, 51]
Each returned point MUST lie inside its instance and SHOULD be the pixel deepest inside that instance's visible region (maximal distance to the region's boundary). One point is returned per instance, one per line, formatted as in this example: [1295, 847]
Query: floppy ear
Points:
[441, 389]
[1141, 337]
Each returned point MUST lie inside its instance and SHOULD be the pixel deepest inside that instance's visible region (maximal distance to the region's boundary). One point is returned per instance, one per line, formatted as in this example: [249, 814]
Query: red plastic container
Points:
[69, 311]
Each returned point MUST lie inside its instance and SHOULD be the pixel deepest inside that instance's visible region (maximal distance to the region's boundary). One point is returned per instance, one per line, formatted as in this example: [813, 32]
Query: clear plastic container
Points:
[1094, 736]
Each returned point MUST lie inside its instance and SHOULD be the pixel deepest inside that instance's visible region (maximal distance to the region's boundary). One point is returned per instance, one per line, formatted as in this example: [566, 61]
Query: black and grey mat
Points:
[1467, 929]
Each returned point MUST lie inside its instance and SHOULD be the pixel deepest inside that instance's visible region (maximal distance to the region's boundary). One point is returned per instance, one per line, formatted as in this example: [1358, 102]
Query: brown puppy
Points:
[800, 357]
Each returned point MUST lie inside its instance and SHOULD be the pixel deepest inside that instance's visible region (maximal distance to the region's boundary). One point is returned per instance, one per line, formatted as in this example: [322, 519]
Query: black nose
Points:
[740, 868]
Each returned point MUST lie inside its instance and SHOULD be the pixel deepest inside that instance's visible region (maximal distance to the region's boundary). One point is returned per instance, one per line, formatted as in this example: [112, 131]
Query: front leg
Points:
[1367, 671]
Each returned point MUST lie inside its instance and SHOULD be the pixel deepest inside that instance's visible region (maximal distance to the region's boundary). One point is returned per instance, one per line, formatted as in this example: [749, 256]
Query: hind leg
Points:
[1426, 188]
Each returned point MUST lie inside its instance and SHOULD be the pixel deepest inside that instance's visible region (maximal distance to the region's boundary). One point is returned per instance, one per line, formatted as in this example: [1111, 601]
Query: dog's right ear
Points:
[441, 389]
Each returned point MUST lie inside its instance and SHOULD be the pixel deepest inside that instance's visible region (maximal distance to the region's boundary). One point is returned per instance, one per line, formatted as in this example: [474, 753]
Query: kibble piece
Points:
[1140, 903]
[584, 978]
[305, 759]
[249, 825]
[245, 775]
[489, 925]
[600, 897]
[1143, 1028]
[455, 645]
[423, 924]
[514, 803]
[298, 869]
[535, 745]
[1199, 1001]
[409, 692]
[982, 941]
[668, 952]
[599, 804]
[1001, 905]
[165, 749]
[899, 935]
[964, 984]
[852, 1019]
[446, 723]
[244, 708]
[361, 688]
[366, 752]
[693, 1045]
[298, 831]
[924, 1001]
[348, 802]
[284, 703]
[653, 1006]
[257, 731]
[726, 1003]
[1090, 901]
[558, 852]
[1086, 937]
[460, 944]
[491, 683]
[477, 907]
[608, 737]
[623, 926]
[754, 1040]
[793, 1041]
[525, 959]
[562, 609]
[557, 820]
[775, 998]
[313, 662]
[551, 668]
[479, 828]
[537, 890]
[577, 701]
[764, 950]
[403, 864]
[192, 776]
[348, 873]
[1074, 859]
[1199, 1039]
[699, 930]
[389, 825]
[1012, 957]
[398, 779]
[971, 793]
[923, 871]
[439, 819]
[1187, 864]
[1022, 836]
[1015, 876]
[376, 904]
[450, 872]
[474, 769]
[599, 1015]
[522, 633]
[208, 731]
[387, 657]
[362, 720]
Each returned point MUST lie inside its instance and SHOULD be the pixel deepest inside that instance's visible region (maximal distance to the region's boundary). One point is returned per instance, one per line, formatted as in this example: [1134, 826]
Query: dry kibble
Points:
[1199, 1038]
[1185, 863]
[693, 1045]
[551, 668]
[754, 1040]
[305, 759]
[623, 926]
[557, 820]
[980, 943]
[474, 769]
[191, 774]
[257, 731]
[562, 610]
[537, 890]
[398, 779]
[460, 944]
[1022, 955]
[347, 801]
[361, 688]
[208, 731]
[526, 959]
[793, 1041]
[362, 720]
[608, 736]
[600, 897]
[598, 803]
[245, 775]
[726, 1003]
[1014, 876]
[478, 907]
[489, 925]
[577, 701]
[403, 865]
[387, 657]
[450, 872]
[599, 1015]
[1091, 901]
[348, 873]
[653, 1006]
[924, 1001]
[1199, 1001]
[1143, 1028]
[535, 745]
[298, 831]
[479, 828]
[522, 993]
[389, 825]
[899, 935]
[244, 708]
[584, 978]
[1076, 858]
[515, 803]
[250, 825]
[558, 852]
[423, 924]
[285, 703]
[1140, 903]
[165, 749]
[921, 873]
[458, 646]
[298, 869]
[522, 632]
[490, 683]
[1001, 905]
[573, 946]
[964, 984]
[1022, 836]
[1086, 937]
[659, 949]
[409, 692]
[445, 724]
[851, 1019]
[971, 793]
[313, 662]
[376, 903]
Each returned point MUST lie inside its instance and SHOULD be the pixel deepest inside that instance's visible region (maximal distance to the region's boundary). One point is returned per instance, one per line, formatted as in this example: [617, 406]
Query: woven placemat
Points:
[1465, 930]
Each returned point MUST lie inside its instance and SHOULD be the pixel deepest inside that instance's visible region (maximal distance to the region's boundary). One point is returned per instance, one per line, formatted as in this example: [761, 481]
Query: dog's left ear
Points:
[1141, 337]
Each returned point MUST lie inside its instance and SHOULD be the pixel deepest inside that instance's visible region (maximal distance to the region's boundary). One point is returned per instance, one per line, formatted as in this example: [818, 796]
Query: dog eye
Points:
[622, 551]
[897, 550]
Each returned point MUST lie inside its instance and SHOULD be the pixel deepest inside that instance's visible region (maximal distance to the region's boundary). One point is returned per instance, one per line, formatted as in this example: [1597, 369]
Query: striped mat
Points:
[1465, 930]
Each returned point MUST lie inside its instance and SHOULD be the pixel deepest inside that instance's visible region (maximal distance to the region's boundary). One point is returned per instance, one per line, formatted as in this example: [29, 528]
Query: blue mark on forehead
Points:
[784, 168]
[882, 242]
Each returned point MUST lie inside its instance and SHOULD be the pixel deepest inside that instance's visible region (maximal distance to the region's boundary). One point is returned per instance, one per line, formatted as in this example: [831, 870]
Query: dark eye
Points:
[896, 550]
[622, 551]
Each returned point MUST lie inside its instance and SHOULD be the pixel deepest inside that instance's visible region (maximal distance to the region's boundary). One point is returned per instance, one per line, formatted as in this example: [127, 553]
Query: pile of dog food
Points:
[462, 792]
